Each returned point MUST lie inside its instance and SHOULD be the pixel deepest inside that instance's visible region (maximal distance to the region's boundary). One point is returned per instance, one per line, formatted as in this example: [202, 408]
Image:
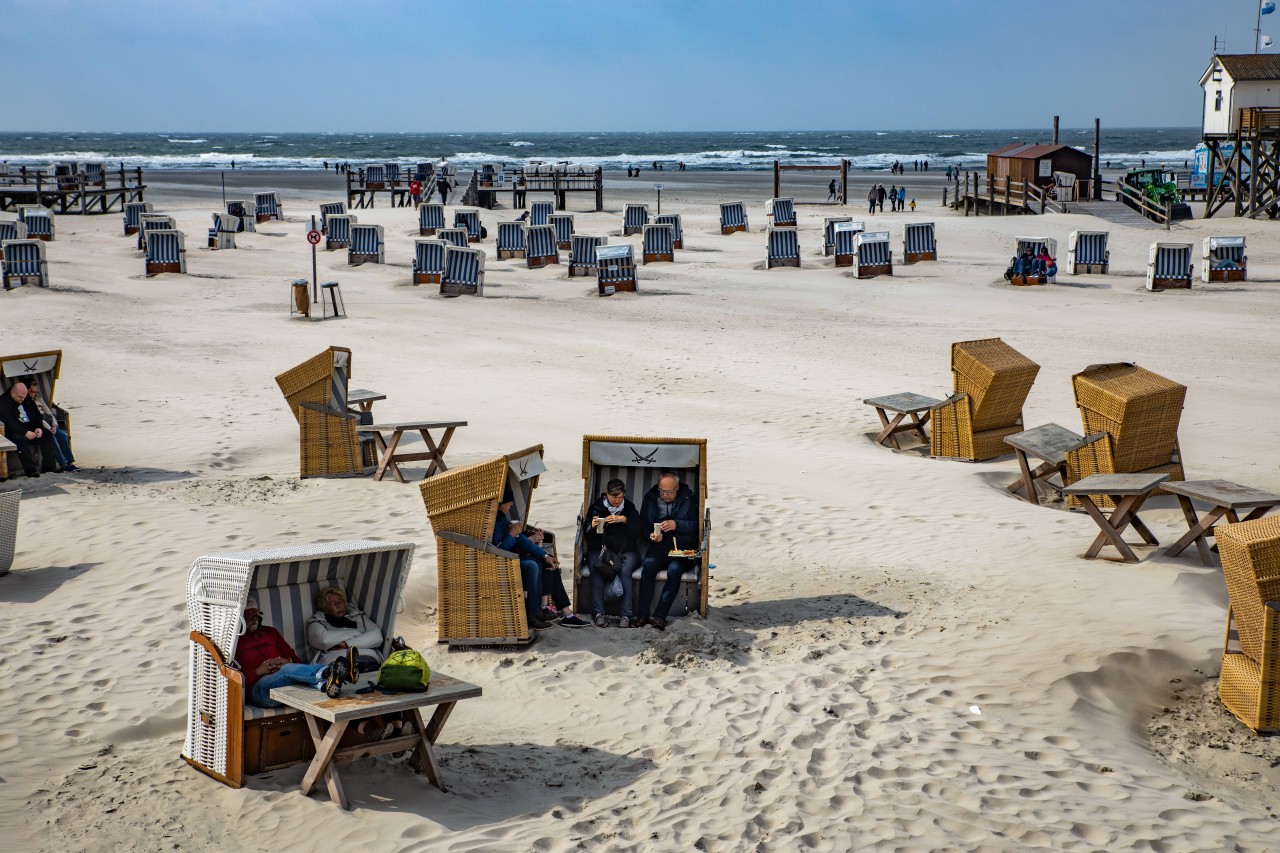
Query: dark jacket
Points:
[10, 415]
[522, 545]
[619, 538]
[684, 512]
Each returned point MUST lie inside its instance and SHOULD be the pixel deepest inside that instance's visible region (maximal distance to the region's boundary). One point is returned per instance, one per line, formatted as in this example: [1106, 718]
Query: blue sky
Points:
[561, 65]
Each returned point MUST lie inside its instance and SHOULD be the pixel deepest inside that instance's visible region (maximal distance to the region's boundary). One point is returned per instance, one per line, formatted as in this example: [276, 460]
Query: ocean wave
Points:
[519, 143]
[186, 141]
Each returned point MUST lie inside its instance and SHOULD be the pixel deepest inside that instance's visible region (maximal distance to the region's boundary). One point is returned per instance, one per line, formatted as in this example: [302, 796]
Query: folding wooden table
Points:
[1050, 444]
[905, 405]
[1225, 497]
[1128, 492]
[364, 399]
[387, 449]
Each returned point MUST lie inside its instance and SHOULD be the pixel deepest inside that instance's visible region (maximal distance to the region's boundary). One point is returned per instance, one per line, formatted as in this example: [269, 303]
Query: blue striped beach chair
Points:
[510, 240]
[783, 248]
[463, 272]
[782, 212]
[540, 212]
[24, 263]
[223, 233]
[153, 222]
[541, 247]
[658, 244]
[133, 211]
[375, 177]
[267, 206]
[94, 175]
[677, 229]
[829, 224]
[367, 246]
[333, 208]
[166, 251]
[872, 255]
[430, 219]
[339, 233]
[454, 236]
[393, 173]
[246, 212]
[634, 219]
[1087, 252]
[615, 269]
[428, 261]
[733, 217]
[845, 235]
[563, 225]
[468, 218]
[918, 243]
[1224, 259]
[39, 221]
[582, 254]
[1037, 246]
[1169, 266]
[11, 229]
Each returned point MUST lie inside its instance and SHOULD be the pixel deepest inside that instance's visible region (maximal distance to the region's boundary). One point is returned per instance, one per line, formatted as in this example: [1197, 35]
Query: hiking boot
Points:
[337, 674]
[572, 621]
[660, 623]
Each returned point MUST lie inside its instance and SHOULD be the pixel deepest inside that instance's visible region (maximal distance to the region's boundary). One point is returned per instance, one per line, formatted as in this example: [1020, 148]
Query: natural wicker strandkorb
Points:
[1250, 682]
[9, 502]
[316, 392]
[991, 381]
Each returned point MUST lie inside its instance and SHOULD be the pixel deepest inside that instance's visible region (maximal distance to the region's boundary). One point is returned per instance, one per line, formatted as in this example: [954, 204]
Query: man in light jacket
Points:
[337, 626]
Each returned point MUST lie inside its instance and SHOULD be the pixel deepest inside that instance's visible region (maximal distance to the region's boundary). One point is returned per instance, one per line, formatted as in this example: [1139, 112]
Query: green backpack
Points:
[404, 671]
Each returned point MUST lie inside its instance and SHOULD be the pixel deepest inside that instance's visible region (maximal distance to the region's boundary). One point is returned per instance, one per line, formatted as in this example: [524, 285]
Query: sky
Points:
[566, 65]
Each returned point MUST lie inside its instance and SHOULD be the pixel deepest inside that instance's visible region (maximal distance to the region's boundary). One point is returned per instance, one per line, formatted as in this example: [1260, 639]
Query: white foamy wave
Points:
[187, 141]
[519, 143]
[947, 135]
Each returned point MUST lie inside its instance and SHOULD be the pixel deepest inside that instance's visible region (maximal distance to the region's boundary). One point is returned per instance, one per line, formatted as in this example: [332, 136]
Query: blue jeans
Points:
[531, 580]
[63, 442]
[290, 673]
[654, 563]
[630, 560]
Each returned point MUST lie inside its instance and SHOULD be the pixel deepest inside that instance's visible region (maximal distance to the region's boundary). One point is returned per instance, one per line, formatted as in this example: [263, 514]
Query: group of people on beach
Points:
[31, 423]
[896, 195]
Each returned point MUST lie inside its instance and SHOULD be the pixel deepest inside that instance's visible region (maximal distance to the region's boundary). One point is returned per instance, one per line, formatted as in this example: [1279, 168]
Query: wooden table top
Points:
[357, 706]
[1115, 484]
[362, 395]
[1049, 442]
[906, 402]
[1223, 493]
[404, 426]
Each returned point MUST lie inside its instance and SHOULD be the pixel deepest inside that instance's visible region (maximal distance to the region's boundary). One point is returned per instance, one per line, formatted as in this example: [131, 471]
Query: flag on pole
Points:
[1268, 7]
[1266, 41]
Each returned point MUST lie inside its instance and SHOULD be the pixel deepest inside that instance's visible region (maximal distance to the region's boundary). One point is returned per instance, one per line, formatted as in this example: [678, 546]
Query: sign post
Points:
[313, 237]
[658, 187]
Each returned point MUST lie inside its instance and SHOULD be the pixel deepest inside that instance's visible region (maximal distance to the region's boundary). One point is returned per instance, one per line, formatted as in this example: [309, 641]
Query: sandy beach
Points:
[899, 654]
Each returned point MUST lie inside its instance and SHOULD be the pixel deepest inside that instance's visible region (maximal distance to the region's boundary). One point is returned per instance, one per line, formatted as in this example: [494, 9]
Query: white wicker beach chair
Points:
[540, 212]
[677, 229]
[872, 255]
[223, 233]
[510, 240]
[428, 261]
[468, 218]
[153, 222]
[463, 272]
[367, 245]
[782, 212]
[919, 242]
[541, 248]
[634, 219]
[563, 225]
[247, 213]
[327, 209]
[133, 211]
[339, 233]
[454, 237]
[9, 502]
[430, 219]
[1087, 252]
[582, 255]
[166, 251]
[829, 224]
[267, 206]
[1224, 259]
[1169, 266]
[615, 269]
[658, 244]
[39, 221]
[733, 217]
[783, 246]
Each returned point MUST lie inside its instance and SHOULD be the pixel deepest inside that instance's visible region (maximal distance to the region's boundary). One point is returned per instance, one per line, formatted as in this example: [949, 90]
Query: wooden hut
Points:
[1037, 163]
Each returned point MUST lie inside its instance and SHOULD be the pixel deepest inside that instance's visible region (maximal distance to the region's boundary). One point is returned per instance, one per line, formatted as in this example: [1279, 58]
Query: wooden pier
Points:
[76, 193]
[986, 195]
[558, 181]
[362, 193]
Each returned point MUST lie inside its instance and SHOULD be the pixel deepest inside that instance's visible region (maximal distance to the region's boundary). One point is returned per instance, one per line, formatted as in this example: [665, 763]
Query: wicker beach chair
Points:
[166, 252]
[222, 235]
[919, 242]
[428, 261]
[43, 367]
[153, 222]
[562, 223]
[225, 737]
[339, 233]
[430, 219]
[23, 263]
[480, 599]
[782, 212]
[659, 244]
[246, 211]
[677, 230]
[733, 217]
[469, 219]
[1249, 684]
[615, 269]
[829, 224]
[133, 211]
[639, 461]
[1087, 252]
[316, 392]
[267, 206]
[367, 245]
[991, 382]
[634, 219]
[9, 502]
[39, 221]
[1224, 259]
[783, 248]
[541, 246]
[872, 255]
[582, 255]
[463, 272]
[510, 240]
[327, 209]
[454, 237]
[540, 212]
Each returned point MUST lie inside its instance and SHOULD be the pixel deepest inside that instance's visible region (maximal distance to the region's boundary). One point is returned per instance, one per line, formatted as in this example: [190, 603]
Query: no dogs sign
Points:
[313, 237]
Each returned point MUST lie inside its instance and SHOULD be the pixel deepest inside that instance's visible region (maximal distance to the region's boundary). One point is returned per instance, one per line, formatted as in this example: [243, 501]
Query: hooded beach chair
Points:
[634, 219]
[153, 222]
[582, 255]
[563, 225]
[1087, 252]
[510, 240]
[133, 211]
[43, 368]
[1249, 683]
[39, 221]
[316, 393]
[428, 261]
[783, 248]
[541, 246]
[677, 230]
[225, 737]
[782, 212]
[327, 209]
[733, 217]
[1169, 266]
[468, 219]
[454, 237]
[223, 233]
[639, 462]
[919, 242]
[1037, 246]
[166, 252]
[339, 233]
[845, 239]
[463, 272]
[430, 219]
[392, 171]
[9, 502]
[659, 243]
[479, 597]
[1224, 259]
[615, 269]
[94, 175]
[247, 213]
[872, 255]
[24, 263]
[367, 246]
[267, 207]
[375, 177]
[540, 212]
[991, 381]
[11, 229]
[829, 224]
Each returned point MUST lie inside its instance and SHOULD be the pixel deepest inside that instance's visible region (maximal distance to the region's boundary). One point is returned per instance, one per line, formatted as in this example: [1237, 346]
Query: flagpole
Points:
[1257, 31]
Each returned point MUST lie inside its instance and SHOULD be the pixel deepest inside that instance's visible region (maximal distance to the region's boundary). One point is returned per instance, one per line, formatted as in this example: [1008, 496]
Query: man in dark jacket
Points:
[22, 426]
[672, 509]
[612, 525]
[538, 569]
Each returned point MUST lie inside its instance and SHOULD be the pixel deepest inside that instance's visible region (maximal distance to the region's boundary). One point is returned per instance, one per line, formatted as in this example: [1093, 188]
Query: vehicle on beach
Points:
[1160, 188]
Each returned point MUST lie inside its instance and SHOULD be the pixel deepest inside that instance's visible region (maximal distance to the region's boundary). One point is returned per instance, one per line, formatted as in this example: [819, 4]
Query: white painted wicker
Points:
[8, 528]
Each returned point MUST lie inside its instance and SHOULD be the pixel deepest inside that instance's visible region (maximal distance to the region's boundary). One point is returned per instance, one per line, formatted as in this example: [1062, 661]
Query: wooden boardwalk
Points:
[1115, 212]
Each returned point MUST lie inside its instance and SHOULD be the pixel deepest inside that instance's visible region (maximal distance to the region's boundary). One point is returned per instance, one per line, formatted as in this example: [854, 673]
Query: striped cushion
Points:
[38, 222]
[330, 209]
[658, 240]
[829, 228]
[783, 210]
[366, 239]
[454, 236]
[636, 216]
[133, 211]
[24, 257]
[672, 219]
[583, 251]
[12, 229]
[429, 256]
[1091, 248]
[919, 238]
[431, 216]
[563, 225]
[510, 236]
[873, 252]
[1172, 262]
[164, 246]
[783, 243]
[540, 211]
[463, 266]
[340, 227]
[375, 174]
[732, 214]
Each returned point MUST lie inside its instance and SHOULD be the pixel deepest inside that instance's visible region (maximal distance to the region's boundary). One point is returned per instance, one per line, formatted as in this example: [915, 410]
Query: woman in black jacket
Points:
[613, 530]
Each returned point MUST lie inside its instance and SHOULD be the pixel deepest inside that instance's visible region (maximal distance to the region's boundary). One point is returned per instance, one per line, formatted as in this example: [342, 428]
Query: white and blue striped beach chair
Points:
[367, 246]
[133, 211]
[94, 175]
[563, 225]
[463, 272]
[782, 212]
[677, 229]
[11, 229]
[454, 236]
[1169, 266]
[246, 212]
[541, 248]
[582, 254]
[327, 209]
[39, 221]
[153, 222]
[428, 261]
[339, 233]
[845, 235]
[1087, 252]
[658, 244]
[634, 219]
[430, 219]
[872, 255]
[1037, 246]
[166, 252]
[24, 263]
[829, 224]
[510, 240]
[267, 207]
[223, 233]
[392, 172]
[540, 212]
[468, 218]
[615, 269]
[1224, 259]
[918, 242]
[733, 217]
[783, 248]
[375, 177]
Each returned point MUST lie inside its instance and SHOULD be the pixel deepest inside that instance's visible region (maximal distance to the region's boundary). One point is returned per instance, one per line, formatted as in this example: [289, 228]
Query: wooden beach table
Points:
[327, 719]
[903, 405]
[1226, 498]
[1128, 492]
[387, 449]
[1049, 444]
[364, 399]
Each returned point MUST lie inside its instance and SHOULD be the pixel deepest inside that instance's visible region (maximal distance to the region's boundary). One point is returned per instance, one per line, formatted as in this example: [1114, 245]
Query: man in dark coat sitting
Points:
[671, 509]
[22, 426]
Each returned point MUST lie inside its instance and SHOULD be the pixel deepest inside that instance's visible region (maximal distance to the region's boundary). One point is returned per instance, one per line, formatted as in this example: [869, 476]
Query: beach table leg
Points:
[424, 757]
[1028, 481]
[888, 435]
[437, 453]
[1199, 528]
[322, 764]
[389, 458]
[1112, 527]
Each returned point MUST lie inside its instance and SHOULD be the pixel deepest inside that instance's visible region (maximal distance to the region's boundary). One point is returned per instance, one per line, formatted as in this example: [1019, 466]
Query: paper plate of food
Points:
[682, 553]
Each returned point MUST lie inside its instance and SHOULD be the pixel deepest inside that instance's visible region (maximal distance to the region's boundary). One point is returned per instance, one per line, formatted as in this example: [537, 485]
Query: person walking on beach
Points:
[831, 191]
[902, 197]
[871, 200]
[893, 197]
[415, 192]
[880, 194]
[442, 187]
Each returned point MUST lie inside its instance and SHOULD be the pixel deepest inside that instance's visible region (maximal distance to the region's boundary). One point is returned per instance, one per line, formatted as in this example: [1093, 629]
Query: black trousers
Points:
[26, 452]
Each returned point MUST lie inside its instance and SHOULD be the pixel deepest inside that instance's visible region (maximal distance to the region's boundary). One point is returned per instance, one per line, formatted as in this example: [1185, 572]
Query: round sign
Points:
[313, 237]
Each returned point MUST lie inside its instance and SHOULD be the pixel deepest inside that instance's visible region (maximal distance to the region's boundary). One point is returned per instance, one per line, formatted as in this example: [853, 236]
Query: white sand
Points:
[899, 655]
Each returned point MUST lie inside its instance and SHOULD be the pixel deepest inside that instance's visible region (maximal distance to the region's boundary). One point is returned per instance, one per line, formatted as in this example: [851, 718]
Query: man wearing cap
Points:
[268, 661]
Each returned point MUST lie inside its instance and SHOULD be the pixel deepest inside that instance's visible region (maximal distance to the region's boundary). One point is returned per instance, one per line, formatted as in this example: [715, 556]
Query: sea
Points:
[868, 150]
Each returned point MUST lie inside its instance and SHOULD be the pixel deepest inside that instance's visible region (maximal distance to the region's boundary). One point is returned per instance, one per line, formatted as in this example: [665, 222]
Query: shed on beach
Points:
[1236, 82]
[1037, 163]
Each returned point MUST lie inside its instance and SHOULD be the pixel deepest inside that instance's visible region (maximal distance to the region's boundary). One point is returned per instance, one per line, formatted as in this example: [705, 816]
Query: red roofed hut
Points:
[1036, 163]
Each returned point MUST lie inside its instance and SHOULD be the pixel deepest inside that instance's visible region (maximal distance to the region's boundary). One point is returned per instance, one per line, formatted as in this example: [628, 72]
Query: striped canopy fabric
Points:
[672, 219]
[615, 263]
[563, 225]
[133, 211]
[540, 212]
[246, 212]
[829, 231]
[541, 242]
[1169, 261]
[328, 209]
[428, 257]
[784, 243]
[733, 214]
[470, 220]
[165, 246]
[873, 248]
[25, 259]
[225, 223]
[918, 237]
[784, 211]
[431, 216]
[659, 240]
[510, 237]
[375, 174]
[1036, 245]
[12, 229]
[1224, 249]
[267, 204]
[454, 236]
[339, 227]
[366, 241]
[582, 255]
[634, 218]
[38, 219]
[392, 172]
[1090, 247]
[463, 266]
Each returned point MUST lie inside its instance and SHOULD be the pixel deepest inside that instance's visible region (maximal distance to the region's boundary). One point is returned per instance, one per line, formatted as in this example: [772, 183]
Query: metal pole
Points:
[1257, 31]
[659, 188]
[224, 189]
[315, 280]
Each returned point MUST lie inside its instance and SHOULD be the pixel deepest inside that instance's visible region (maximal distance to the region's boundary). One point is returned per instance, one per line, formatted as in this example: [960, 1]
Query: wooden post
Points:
[599, 188]
[1096, 189]
[1006, 196]
[777, 179]
[844, 181]
[1055, 130]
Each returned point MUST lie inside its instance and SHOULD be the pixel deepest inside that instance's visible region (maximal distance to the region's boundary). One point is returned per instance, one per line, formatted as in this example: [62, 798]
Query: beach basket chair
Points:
[659, 244]
[541, 246]
[582, 254]
[1087, 252]
[479, 596]
[24, 263]
[733, 217]
[375, 177]
[367, 245]
[43, 368]
[783, 246]
[782, 212]
[339, 233]
[9, 502]
[991, 381]
[1169, 266]
[430, 219]
[1137, 412]
[227, 738]
[454, 237]
[223, 233]
[463, 272]
[94, 175]
[919, 242]
[677, 230]
[469, 220]
[316, 393]
[153, 222]
[845, 235]
[615, 269]
[11, 229]
[1223, 259]
[330, 208]
[1036, 245]
[267, 207]
[540, 212]
[634, 219]
[133, 211]
[392, 171]
[563, 225]
[872, 255]
[247, 213]
[428, 261]
[39, 221]
[1249, 684]
[166, 252]
[510, 240]
[829, 224]
[639, 462]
